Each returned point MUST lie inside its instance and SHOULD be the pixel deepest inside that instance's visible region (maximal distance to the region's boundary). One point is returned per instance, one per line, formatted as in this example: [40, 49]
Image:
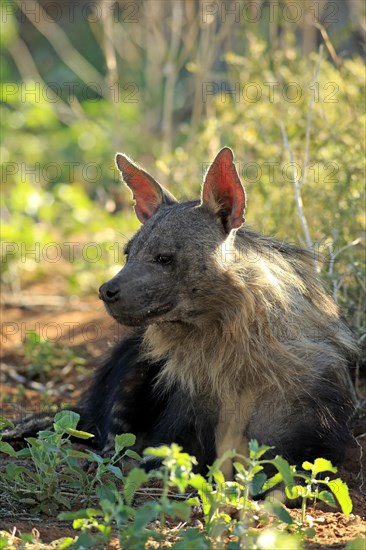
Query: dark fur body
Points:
[234, 337]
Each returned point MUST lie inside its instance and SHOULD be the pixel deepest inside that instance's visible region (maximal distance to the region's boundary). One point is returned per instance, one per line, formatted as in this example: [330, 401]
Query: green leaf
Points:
[257, 484]
[231, 492]
[94, 457]
[78, 433]
[284, 469]
[295, 491]
[161, 452]
[65, 419]
[132, 454]
[200, 483]
[193, 501]
[73, 453]
[13, 470]
[85, 541]
[123, 440]
[272, 482]
[255, 469]
[326, 496]
[239, 467]
[219, 478]
[192, 539]
[256, 450]
[134, 480]
[45, 434]
[253, 445]
[66, 543]
[24, 453]
[220, 525]
[62, 500]
[273, 506]
[33, 441]
[271, 539]
[115, 470]
[107, 492]
[340, 491]
[7, 449]
[84, 513]
[216, 466]
[320, 465]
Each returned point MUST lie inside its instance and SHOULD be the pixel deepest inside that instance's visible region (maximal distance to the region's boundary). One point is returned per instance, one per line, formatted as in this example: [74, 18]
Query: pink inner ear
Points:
[223, 189]
[145, 189]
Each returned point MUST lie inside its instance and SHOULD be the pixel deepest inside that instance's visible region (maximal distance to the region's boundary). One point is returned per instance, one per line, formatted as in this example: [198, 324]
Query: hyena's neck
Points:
[194, 359]
[216, 362]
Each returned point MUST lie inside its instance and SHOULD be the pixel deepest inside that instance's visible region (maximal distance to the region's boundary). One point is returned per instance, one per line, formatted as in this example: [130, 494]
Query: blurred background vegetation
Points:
[169, 83]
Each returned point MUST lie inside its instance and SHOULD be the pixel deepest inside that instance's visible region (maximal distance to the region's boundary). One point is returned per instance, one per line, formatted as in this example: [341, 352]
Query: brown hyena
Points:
[234, 336]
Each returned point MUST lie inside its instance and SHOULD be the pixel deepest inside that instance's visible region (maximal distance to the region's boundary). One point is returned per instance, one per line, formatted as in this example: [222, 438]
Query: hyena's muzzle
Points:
[138, 294]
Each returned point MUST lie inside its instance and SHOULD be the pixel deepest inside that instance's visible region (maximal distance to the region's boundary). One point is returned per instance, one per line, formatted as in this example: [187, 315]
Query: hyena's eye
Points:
[163, 259]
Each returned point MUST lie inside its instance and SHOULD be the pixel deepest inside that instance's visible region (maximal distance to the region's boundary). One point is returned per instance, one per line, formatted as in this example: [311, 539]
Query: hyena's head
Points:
[175, 269]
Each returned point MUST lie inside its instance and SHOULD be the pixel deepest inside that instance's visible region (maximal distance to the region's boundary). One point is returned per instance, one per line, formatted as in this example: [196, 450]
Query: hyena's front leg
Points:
[233, 420]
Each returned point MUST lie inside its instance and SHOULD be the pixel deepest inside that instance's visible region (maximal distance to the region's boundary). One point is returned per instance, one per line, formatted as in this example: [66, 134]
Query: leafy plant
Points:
[135, 524]
[221, 500]
[43, 356]
[56, 476]
[236, 514]
[312, 487]
[51, 457]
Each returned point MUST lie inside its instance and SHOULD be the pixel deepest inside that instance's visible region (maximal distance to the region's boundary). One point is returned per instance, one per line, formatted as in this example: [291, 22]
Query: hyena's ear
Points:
[147, 192]
[223, 192]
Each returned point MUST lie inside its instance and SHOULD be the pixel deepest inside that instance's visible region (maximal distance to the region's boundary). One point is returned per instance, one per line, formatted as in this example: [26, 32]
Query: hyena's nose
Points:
[109, 293]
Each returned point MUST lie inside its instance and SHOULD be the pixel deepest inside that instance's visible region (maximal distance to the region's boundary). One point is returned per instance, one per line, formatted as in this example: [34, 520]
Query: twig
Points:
[308, 120]
[298, 198]
[333, 257]
[337, 284]
[337, 60]
[297, 183]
